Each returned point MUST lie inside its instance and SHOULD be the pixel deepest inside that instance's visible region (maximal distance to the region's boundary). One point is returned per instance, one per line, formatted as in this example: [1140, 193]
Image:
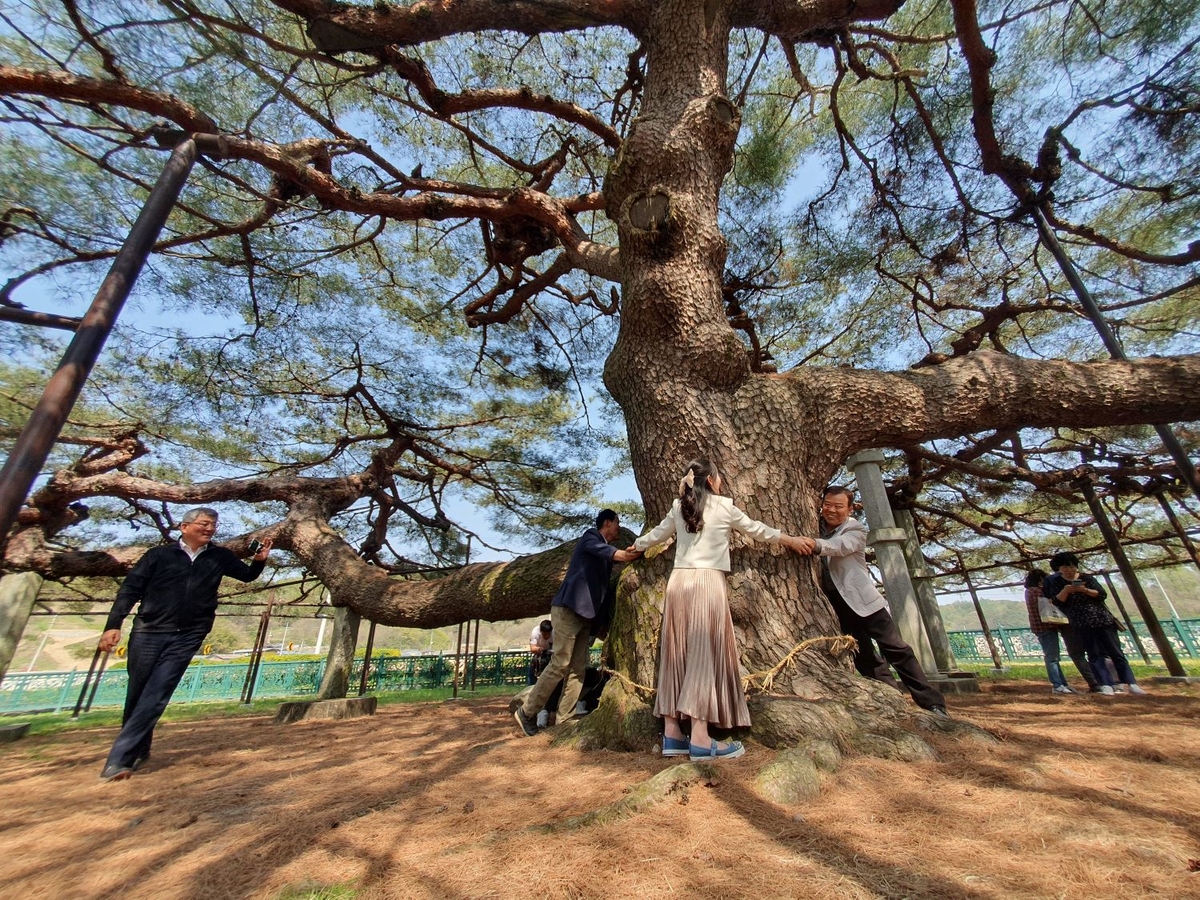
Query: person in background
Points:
[1082, 598]
[541, 640]
[698, 675]
[1048, 634]
[176, 586]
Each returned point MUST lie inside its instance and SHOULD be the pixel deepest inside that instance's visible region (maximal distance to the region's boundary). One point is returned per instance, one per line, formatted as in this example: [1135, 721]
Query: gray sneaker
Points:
[528, 723]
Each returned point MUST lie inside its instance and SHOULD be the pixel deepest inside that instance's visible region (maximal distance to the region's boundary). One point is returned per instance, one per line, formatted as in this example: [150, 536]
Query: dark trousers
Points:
[1077, 651]
[1103, 642]
[156, 664]
[879, 627]
[537, 662]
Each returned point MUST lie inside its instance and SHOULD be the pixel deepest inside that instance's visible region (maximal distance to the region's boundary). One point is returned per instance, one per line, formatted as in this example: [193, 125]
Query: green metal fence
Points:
[32, 691]
[54, 691]
[1021, 645]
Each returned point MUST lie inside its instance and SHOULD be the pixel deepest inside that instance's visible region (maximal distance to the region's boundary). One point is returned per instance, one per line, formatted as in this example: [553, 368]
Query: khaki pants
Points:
[572, 641]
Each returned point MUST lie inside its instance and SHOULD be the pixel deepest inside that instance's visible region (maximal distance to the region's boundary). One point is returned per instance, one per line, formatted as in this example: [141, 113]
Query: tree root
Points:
[672, 782]
[623, 721]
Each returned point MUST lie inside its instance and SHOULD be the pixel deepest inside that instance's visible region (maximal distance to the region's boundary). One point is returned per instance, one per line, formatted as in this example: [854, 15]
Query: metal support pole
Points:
[87, 707]
[1137, 638]
[33, 446]
[1179, 529]
[1165, 434]
[475, 656]
[366, 667]
[264, 627]
[987, 632]
[457, 657]
[87, 681]
[1165, 650]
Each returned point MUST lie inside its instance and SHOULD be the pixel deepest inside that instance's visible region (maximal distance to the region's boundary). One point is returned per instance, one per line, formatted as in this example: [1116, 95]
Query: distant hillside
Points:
[1181, 584]
[65, 642]
[961, 616]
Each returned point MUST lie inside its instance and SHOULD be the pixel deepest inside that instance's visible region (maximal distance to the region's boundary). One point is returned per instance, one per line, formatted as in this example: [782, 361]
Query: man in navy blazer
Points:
[860, 608]
[581, 608]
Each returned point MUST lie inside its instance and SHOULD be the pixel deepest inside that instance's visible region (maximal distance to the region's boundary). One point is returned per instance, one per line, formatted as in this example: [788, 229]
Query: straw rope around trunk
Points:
[761, 682]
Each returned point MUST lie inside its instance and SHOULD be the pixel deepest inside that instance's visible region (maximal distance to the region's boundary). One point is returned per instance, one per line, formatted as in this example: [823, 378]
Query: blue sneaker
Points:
[674, 746]
[732, 750]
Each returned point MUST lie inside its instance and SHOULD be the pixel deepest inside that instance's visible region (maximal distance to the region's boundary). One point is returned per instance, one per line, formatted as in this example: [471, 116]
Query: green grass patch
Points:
[52, 723]
[313, 891]
[1030, 671]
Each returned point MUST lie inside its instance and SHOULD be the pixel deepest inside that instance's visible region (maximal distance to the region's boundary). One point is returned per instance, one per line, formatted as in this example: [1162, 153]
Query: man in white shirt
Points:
[541, 641]
[860, 608]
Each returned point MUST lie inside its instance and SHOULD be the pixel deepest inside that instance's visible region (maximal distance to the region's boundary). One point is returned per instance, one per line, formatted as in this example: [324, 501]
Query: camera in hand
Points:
[255, 546]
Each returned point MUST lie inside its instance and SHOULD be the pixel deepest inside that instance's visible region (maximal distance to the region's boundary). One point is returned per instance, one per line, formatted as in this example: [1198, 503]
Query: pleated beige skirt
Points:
[698, 673]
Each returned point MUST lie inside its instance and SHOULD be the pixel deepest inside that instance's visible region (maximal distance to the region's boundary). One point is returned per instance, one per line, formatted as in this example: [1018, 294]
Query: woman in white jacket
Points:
[698, 675]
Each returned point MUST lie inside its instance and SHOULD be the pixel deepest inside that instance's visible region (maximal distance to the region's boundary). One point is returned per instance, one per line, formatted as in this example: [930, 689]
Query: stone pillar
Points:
[18, 592]
[335, 683]
[888, 541]
[922, 580]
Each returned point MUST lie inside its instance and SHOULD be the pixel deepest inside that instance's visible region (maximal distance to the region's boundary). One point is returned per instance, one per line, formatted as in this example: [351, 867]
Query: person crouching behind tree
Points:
[698, 675]
[541, 642]
[1048, 634]
[1083, 600]
[176, 587]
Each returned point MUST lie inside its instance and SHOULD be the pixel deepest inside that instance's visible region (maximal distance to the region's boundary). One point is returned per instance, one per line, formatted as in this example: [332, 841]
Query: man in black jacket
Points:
[176, 585]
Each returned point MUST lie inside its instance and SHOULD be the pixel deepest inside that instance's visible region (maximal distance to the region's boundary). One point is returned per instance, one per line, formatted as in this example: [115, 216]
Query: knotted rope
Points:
[762, 681]
[649, 691]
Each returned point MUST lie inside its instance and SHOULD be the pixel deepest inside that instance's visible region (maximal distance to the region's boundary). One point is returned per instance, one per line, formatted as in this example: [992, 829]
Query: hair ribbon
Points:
[687, 481]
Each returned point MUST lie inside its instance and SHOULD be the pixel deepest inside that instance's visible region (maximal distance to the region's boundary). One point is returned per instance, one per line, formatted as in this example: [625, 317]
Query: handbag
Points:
[1049, 613]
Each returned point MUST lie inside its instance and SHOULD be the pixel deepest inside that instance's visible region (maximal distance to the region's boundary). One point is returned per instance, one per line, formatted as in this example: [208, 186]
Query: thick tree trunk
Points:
[682, 376]
[682, 379]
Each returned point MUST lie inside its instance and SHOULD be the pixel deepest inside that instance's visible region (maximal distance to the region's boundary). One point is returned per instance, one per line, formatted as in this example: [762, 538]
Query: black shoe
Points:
[528, 723]
[139, 762]
[113, 772]
[939, 711]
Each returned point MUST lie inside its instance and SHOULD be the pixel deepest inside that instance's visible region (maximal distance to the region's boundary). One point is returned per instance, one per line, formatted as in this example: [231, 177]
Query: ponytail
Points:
[693, 491]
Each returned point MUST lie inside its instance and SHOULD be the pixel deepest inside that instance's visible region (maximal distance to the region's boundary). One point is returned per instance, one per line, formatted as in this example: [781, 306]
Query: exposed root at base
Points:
[672, 782]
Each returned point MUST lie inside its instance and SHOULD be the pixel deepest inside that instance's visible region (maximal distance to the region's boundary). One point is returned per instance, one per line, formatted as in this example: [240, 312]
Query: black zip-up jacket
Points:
[1081, 609]
[175, 592]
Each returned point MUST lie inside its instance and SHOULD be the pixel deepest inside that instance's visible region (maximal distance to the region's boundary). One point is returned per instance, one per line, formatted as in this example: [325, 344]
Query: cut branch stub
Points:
[648, 212]
[725, 113]
[728, 121]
